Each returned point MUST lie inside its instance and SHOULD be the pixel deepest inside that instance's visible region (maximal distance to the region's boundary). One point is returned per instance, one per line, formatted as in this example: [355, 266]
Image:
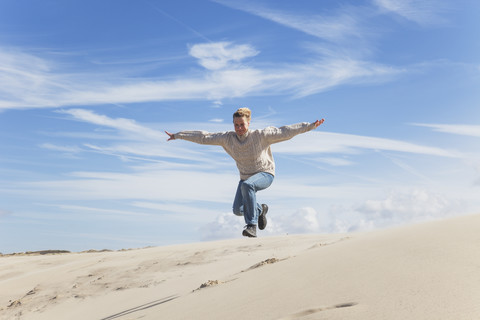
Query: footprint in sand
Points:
[264, 262]
[17, 303]
[315, 310]
[209, 283]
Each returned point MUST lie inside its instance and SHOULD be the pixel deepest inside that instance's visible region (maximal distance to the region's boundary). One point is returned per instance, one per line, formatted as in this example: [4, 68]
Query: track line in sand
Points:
[315, 310]
[141, 307]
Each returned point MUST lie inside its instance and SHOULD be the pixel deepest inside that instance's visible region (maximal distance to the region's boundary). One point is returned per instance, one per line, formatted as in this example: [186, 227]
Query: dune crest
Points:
[424, 271]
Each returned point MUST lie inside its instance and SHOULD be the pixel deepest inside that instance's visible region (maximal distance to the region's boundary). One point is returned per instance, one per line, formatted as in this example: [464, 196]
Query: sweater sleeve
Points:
[203, 137]
[275, 135]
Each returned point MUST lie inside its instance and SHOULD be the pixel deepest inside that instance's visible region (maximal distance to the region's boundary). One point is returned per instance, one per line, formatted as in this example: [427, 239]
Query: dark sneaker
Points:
[250, 231]
[262, 219]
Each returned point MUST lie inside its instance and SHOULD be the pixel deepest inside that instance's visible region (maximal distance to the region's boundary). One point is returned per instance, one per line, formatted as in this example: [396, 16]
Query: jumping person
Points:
[251, 151]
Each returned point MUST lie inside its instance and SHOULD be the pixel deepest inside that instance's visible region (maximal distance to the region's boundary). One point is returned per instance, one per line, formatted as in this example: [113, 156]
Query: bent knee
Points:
[247, 186]
[237, 212]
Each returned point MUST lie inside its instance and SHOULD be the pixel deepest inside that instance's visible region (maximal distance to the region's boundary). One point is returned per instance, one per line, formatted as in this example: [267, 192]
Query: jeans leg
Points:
[248, 188]
[238, 202]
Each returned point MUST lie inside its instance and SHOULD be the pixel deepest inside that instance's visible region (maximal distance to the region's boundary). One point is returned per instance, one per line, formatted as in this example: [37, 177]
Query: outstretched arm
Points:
[275, 135]
[201, 137]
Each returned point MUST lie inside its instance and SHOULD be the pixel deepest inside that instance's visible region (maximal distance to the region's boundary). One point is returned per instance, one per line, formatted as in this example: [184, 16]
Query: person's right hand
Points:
[171, 135]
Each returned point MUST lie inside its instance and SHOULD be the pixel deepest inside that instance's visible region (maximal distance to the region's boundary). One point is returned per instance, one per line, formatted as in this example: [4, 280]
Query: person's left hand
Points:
[319, 122]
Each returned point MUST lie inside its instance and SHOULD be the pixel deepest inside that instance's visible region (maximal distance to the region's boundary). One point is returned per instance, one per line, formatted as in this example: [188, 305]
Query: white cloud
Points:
[228, 225]
[423, 12]
[218, 55]
[146, 144]
[95, 211]
[217, 104]
[304, 220]
[28, 87]
[66, 149]
[121, 124]
[185, 208]
[325, 73]
[224, 226]
[460, 129]
[332, 28]
[37, 85]
[26, 80]
[397, 208]
[150, 185]
[337, 162]
[404, 207]
[139, 142]
[329, 142]
[235, 83]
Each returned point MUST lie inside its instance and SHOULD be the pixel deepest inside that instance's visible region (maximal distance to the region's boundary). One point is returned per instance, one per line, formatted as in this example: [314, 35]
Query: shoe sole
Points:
[262, 220]
[246, 234]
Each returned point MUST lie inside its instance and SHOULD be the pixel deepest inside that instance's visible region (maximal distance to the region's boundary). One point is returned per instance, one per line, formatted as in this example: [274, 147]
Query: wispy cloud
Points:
[134, 141]
[29, 81]
[183, 24]
[121, 124]
[65, 149]
[149, 185]
[323, 142]
[423, 12]
[40, 83]
[329, 142]
[26, 80]
[460, 129]
[333, 161]
[94, 210]
[330, 72]
[175, 208]
[154, 176]
[333, 28]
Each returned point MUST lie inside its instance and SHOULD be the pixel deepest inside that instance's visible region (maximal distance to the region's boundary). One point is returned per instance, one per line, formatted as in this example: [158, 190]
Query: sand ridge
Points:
[46, 282]
[425, 271]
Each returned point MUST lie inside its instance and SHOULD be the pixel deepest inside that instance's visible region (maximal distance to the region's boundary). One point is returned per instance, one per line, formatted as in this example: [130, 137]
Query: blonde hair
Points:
[243, 112]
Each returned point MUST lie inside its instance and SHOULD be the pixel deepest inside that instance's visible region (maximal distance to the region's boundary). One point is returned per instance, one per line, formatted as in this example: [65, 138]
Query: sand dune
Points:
[424, 271]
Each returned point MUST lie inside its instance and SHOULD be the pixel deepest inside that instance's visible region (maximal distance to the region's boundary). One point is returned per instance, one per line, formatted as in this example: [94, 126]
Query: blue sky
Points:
[87, 89]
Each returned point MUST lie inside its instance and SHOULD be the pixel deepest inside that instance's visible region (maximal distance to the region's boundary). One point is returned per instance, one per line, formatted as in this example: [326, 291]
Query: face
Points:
[241, 125]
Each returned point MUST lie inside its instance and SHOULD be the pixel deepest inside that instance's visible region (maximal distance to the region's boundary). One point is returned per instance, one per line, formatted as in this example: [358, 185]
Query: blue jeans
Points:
[245, 203]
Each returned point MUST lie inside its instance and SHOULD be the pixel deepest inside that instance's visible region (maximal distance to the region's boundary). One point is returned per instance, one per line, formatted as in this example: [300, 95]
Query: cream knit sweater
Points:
[251, 151]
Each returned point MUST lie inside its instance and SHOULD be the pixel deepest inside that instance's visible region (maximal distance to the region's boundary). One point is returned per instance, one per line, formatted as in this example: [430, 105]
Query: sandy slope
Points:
[425, 271]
